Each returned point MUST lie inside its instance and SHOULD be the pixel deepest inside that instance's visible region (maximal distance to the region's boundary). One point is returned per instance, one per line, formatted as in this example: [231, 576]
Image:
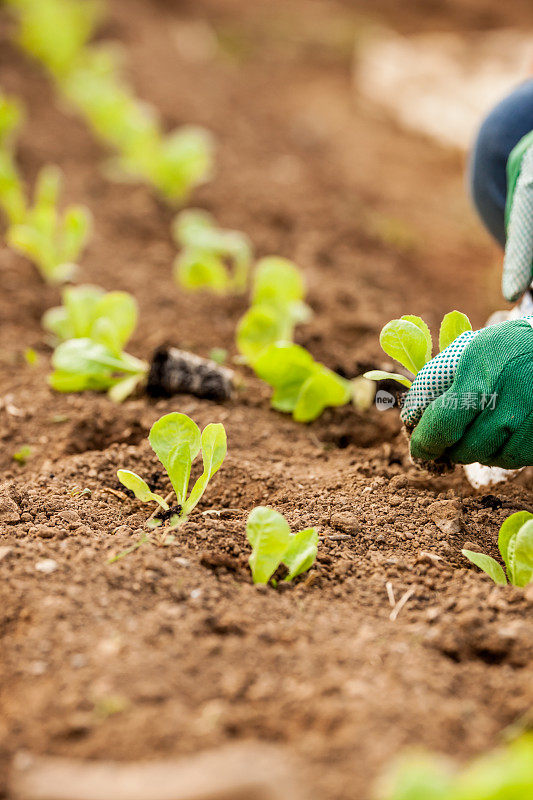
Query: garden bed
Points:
[172, 650]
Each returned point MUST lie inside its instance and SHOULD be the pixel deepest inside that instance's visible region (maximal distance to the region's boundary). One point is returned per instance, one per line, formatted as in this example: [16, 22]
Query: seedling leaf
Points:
[509, 531]
[522, 568]
[140, 488]
[380, 375]
[322, 388]
[419, 322]
[269, 535]
[301, 553]
[453, 325]
[259, 327]
[175, 439]
[405, 342]
[488, 565]
[199, 269]
[214, 449]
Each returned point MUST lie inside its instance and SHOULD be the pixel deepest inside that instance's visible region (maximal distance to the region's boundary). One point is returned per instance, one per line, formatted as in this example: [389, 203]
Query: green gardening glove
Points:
[518, 262]
[474, 401]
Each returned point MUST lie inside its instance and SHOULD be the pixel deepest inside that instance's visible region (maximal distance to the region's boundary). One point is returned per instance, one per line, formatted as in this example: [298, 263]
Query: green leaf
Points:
[269, 535]
[175, 439]
[121, 310]
[488, 565]
[322, 388]
[200, 269]
[509, 530]
[419, 322]
[190, 225]
[522, 571]
[140, 488]
[405, 342]
[124, 387]
[80, 303]
[76, 229]
[57, 321]
[453, 325]
[419, 776]
[301, 553]
[277, 281]
[214, 449]
[259, 327]
[380, 375]
[285, 367]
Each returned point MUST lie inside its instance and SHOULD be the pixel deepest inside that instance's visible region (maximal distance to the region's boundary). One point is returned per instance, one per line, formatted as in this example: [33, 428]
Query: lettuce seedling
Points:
[211, 257]
[11, 116]
[408, 340]
[277, 306]
[95, 87]
[12, 194]
[503, 774]
[176, 441]
[90, 312]
[515, 543]
[273, 544]
[56, 31]
[52, 241]
[85, 365]
[174, 164]
[301, 385]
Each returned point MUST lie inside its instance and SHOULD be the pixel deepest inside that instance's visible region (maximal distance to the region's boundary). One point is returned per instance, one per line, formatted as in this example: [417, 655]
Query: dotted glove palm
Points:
[474, 401]
[518, 262]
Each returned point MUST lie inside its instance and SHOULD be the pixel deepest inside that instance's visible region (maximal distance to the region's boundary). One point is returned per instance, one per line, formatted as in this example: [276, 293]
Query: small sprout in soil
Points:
[408, 340]
[302, 386]
[85, 365]
[174, 164]
[176, 441]
[22, 455]
[515, 543]
[277, 306]
[31, 357]
[56, 31]
[52, 241]
[504, 774]
[89, 312]
[211, 257]
[273, 544]
[219, 355]
[12, 193]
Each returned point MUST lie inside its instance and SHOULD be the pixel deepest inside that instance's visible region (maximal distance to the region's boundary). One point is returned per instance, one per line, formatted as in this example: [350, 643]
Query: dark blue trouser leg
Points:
[503, 128]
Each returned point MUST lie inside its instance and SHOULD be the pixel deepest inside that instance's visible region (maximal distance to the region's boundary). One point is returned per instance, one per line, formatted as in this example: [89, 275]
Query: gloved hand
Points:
[518, 262]
[474, 401]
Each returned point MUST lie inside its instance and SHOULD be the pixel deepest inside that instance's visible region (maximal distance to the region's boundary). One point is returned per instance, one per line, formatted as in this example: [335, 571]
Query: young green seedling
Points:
[503, 774]
[277, 306]
[82, 365]
[515, 543]
[52, 241]
[12, 194]
[408, 340]
[174, 164]
[273, 544]
[90, 312]
[56, 31]
[301, 385]
[96, 88]
[211, 258]
[176, 441]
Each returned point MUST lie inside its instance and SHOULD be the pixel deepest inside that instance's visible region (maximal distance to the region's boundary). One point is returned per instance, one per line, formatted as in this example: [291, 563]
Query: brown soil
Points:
[171, 650]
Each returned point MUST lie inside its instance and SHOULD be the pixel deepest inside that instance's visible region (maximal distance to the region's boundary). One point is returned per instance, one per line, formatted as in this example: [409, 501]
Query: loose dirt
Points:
[171, 650]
